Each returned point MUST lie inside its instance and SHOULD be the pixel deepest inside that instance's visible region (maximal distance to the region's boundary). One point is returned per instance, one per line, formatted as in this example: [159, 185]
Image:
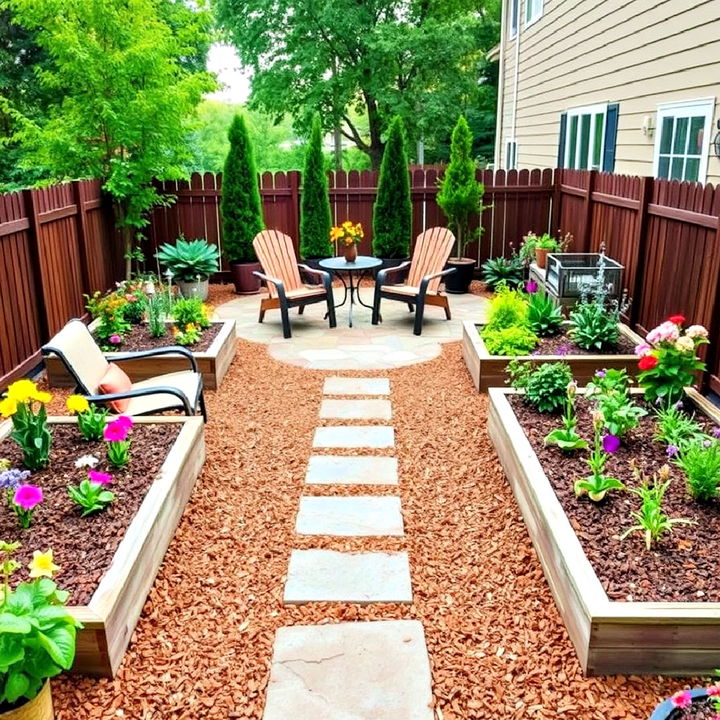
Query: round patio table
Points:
[340, 266]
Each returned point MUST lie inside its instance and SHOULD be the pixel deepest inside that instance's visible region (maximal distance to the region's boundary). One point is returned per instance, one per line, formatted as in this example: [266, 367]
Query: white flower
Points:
[696, 331]
[685, 344]
[86, 461]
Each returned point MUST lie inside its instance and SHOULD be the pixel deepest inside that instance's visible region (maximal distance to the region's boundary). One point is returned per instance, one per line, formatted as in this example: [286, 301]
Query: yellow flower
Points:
[22, 390]
[189, 327]
[336, 233]
[77, 404]
[41, 397]
[347, 224]
[8, 407]
[42, 564]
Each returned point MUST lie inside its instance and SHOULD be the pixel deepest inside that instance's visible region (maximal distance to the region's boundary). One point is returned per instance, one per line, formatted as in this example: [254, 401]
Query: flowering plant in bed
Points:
[91, 418]
[25, 405]
[118, 445]
[92, 494]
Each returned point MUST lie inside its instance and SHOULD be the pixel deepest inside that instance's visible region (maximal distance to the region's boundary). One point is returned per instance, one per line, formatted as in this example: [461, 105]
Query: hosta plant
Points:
[500, 270]
[25, 405]
[544, 316]
[598, 484]
[189, 260]
[565, 437]
[37, 633]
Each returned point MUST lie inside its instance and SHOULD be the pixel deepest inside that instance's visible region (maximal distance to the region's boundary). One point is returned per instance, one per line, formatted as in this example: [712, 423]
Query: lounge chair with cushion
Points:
[104, 382]
[424, 274]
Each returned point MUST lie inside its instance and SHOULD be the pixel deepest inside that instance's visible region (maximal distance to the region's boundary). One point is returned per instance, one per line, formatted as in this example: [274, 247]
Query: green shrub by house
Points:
[240, 207]
[392, 213]
[315, 219]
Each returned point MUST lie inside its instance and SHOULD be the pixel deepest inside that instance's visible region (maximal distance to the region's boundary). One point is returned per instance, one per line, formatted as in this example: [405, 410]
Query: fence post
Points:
[712, 358]
[556, 201]
[79, 197]
[294, 185]
[34, 248]
[587, 222]
[639, 243]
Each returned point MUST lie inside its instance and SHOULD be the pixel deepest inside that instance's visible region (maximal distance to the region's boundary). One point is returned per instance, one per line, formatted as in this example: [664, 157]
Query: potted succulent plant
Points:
[191, 263]
[38, 637]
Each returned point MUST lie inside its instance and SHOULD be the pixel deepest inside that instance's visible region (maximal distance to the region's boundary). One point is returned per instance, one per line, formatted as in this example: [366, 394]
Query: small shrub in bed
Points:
[674, 427]
[610, 392]
[699, 459]
[507, 308]
[544, 316]
[500, 270]
[191, 310]
[545, 385]
[510, 341]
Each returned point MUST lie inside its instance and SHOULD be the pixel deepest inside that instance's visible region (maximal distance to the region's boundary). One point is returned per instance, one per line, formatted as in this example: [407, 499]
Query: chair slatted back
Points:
[432, 250]
[277, 256]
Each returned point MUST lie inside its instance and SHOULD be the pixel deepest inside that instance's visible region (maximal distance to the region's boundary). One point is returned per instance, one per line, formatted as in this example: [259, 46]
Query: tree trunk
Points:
[375, 151]
[126, 237]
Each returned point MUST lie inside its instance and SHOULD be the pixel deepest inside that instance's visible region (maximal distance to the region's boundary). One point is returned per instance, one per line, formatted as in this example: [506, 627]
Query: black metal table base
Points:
[351, 289]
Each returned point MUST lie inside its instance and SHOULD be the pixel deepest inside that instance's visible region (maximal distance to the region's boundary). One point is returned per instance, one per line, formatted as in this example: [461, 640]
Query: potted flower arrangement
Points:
[537, 247]
[38, 637]
[690, 705]
[191, 263]
[347, 236]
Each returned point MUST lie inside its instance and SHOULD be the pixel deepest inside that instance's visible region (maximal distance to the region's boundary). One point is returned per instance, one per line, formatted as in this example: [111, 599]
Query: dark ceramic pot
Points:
[242, 276]
[459, 281]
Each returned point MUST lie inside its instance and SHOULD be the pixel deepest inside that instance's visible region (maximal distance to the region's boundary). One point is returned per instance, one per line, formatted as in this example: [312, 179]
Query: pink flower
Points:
[115, 339]
[28, 496]
[531, 287]
[713, 691]
[115, 431]
[125, 421]
[665, 332]
[610, 443]
[99, 478]
[642, 349]
[681, 699]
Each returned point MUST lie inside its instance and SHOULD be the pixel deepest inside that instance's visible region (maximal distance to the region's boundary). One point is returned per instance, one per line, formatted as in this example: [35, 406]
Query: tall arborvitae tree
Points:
[240, 207]
[392, 213]
[460, 194]
[315, 206]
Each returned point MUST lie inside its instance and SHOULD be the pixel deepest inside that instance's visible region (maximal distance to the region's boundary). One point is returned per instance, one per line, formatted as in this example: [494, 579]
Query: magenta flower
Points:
[681, 699]
[115, 431]
[115, 339]
[99, 478]
[28, 496]
[125, 421]
[531, 287]
[713, 691]
[610, 443]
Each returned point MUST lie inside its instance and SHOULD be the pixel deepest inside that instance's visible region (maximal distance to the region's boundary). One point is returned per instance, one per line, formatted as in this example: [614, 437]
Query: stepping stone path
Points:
[375, 670]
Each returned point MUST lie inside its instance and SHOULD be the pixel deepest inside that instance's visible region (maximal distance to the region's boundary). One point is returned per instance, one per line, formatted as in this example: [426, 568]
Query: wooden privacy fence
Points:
[55, 245]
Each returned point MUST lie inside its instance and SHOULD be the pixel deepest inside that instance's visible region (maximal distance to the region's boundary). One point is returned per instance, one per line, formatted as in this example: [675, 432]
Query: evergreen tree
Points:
[392, 212]
[315, 206]
[240, 207]
[460, 194]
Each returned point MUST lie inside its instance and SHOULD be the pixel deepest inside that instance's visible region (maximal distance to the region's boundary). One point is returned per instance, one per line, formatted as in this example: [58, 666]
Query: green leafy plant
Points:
[509, 341]
[392, 212]
[565, 437]
[699, 459]
[598, 484]
[158, 309]
[315, 217]
[545, 384]
[507, 308]
[189, 260]
[187, 335]
[674, 427]
[544, 316]
[609, 390]
[194, 311]
[91, 418]
[652, 522]
[38, 633]
[594, 326]
[91, 494]
[508, 271]
[532, 242]
[240, 205]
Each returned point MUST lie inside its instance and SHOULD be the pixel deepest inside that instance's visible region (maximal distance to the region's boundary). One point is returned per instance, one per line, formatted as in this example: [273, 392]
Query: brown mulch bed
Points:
[84, 546]
[140, 339]
[497, 645]
[682, 567]
[563, 344]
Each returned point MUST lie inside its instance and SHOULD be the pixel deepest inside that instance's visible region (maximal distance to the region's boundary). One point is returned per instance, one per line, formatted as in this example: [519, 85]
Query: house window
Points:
[510, 154]
[533, 10]
[585, 137]
[682, 139]
[514, 17]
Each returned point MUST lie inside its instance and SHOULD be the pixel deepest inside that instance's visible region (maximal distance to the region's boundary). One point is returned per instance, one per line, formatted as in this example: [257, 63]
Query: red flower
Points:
[677, 319]
[648, 362]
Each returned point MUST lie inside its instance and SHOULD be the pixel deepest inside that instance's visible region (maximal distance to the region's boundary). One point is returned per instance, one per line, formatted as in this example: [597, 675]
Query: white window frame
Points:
[536, 8]
[592, 110]
[510, 152]
[686, 108]
[514, 11]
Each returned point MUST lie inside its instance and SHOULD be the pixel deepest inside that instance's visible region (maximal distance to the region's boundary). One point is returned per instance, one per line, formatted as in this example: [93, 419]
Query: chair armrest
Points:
[144, 392]
[168, 350]
[382, 274]
[313, 271]
[273, 281]
[426, 280]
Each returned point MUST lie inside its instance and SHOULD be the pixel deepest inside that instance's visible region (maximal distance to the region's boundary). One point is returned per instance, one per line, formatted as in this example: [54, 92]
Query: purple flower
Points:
[600, 373]
[563, 350]
[115, 339]
[531, 287]
[610, 443]
[707, 443]
[671, 450]
[716, 432]
[679, 405]
[12, 479]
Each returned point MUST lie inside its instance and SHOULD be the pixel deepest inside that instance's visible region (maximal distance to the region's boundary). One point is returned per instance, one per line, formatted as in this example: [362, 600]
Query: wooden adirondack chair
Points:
[281, 272]
[425, 272]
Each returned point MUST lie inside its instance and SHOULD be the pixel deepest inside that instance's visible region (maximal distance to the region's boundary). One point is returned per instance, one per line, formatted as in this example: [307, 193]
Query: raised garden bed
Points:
[109, 560]
[213, 362]
[613, 635]
[489, 370]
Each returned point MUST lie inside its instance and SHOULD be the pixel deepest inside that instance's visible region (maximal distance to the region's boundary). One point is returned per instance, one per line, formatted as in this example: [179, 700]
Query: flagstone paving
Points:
[354, 436]
[355, 409]
[350, 671]
[332, 576]
[344, 470]
[355, 516]
[356, 386]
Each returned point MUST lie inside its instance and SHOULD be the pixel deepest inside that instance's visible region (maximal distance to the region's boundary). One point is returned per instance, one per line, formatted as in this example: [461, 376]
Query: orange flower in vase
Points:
[346, 237]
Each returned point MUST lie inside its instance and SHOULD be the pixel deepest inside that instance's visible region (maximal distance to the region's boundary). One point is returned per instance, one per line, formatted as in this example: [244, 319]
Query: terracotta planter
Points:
[459, 281]
[39, 708]
[541, 257]
[242, 276]
[351, 253]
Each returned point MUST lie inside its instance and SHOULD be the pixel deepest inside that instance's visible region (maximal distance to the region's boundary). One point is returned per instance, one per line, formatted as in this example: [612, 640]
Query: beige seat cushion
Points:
[405, 290]
[81, 351]
[188, 382]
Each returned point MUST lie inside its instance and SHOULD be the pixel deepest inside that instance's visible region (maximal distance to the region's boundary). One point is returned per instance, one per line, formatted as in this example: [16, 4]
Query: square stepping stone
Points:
[343, 470]
[357, 516]
[350, 671]
[331, 576]
[354, 436]
[356, 386]
[355, 409]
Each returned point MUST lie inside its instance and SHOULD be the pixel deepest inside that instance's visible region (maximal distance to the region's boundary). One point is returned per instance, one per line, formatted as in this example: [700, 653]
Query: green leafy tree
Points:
[392, 212]
[315, 204]
[240, 206]
[417, 59]
[460, 194]
[128, 89]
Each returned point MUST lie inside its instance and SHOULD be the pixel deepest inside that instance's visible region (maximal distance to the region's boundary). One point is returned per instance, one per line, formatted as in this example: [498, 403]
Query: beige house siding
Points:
[637, 53]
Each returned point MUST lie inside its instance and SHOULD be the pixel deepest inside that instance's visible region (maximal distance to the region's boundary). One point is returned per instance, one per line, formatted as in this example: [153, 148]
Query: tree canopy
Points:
[421, 59]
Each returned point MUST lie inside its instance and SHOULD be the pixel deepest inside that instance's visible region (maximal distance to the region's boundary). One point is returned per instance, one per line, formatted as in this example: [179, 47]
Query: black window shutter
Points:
[611, 128]
[561, 143]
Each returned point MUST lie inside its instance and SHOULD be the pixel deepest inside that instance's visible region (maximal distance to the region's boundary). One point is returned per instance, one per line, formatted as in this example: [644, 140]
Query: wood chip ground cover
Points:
[497, 646]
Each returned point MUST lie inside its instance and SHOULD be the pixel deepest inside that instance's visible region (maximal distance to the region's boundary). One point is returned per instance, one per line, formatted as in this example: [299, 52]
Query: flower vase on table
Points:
[347, 236]
[351, 253]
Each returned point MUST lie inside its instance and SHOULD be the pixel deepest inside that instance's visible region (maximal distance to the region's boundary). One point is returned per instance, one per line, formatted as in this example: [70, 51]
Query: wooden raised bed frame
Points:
[672, 638]
[213, 363]
[110, 617]
[489, 370]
